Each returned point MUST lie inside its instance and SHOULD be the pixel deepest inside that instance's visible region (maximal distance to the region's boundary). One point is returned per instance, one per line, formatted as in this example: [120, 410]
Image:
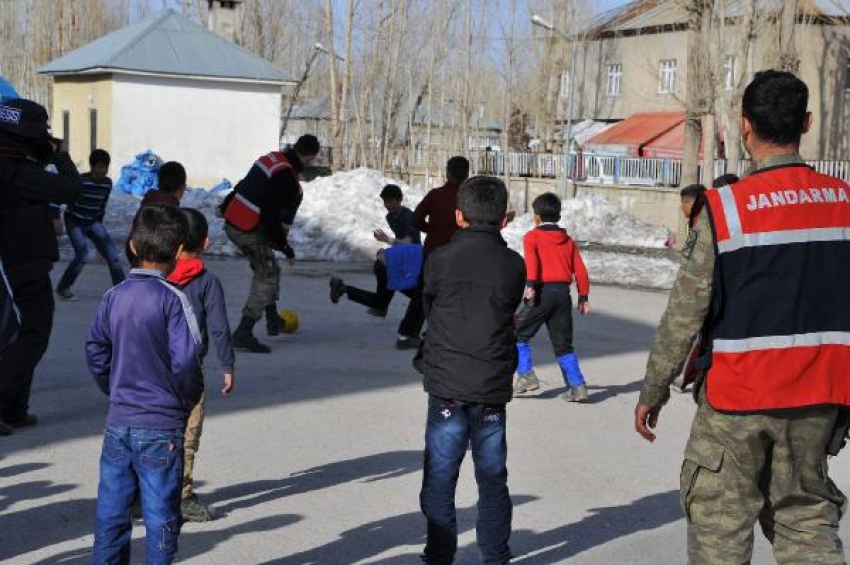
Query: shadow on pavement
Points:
[600, 527]
[366, 469]
[192, 544]
[377, 537]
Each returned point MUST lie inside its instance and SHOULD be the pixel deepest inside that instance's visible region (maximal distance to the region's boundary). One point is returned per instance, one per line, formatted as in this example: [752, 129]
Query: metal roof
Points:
[168, 43]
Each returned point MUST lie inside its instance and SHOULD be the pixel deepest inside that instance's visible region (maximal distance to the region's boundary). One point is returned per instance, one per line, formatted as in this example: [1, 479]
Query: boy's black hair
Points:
[547, 206]
[99, 156]
[171, 177]
[307, 145]
[483, 200]
[775, 104]
[724, 180]
[198, 230]
[458, 168]
[158, 232]
[391, 192]
[692, 191]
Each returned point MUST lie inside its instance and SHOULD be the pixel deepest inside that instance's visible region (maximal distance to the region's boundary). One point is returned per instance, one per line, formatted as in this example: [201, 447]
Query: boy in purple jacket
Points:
[206, 295]
[142, 349]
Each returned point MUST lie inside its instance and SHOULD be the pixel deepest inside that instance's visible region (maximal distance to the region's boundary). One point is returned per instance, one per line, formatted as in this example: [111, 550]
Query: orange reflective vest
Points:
[780, 329]
[243, 209]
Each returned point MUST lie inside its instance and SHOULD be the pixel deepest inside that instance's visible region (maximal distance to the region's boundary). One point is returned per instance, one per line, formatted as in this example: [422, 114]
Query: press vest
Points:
[780, 334]
[243, 209]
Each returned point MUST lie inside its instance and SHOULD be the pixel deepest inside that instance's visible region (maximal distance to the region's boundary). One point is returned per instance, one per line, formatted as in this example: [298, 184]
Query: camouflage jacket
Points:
[688, 304]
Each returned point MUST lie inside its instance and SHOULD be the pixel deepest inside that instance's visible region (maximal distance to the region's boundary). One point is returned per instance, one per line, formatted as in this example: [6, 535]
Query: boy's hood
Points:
[552, 234]
[186, 270]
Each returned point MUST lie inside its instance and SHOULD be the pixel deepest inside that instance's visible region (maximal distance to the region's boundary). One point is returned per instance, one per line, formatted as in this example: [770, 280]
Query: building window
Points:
[615, 76]
[66, 124]
[93, 129]
[565, 85]
[729, 64]
[667, 76]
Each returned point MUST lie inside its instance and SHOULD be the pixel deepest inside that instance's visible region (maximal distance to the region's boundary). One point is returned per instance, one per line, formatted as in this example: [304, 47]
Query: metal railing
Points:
[588, 167]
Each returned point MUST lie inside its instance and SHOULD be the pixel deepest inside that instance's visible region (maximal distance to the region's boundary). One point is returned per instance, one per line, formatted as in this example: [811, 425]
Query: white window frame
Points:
[730, 69]
[615, 79]
[667, 69]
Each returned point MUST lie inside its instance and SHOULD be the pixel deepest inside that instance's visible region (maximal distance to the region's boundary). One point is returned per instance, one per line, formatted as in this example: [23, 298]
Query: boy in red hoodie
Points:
[205, 294]
[552, 261]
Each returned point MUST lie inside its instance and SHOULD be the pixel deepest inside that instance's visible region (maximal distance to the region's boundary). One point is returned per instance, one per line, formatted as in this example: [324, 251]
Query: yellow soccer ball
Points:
[290, 321]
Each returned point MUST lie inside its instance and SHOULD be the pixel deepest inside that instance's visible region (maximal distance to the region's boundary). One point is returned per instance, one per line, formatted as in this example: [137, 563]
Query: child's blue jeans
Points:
[147, 463]
[452, 426]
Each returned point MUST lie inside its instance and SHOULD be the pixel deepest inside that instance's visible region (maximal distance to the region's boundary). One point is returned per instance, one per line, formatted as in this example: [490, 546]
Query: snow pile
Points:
[340, 212]
[591, 218]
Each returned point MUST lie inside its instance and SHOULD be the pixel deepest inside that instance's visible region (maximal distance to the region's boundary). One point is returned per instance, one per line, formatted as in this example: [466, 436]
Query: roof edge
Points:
[117, 71]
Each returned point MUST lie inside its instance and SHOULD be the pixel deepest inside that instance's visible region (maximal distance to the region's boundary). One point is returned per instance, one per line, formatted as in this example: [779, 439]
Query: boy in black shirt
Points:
[473, 286]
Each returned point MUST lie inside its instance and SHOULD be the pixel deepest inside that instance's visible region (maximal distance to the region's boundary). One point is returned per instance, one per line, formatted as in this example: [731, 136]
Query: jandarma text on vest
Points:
[796, 196]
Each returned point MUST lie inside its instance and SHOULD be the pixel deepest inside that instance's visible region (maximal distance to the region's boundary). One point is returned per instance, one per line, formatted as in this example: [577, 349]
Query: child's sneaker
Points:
[194, 510]
[576, 394]
[526, 383]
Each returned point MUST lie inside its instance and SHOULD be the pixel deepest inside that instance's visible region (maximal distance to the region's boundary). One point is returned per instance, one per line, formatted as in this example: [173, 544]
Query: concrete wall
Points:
[216, 129]
[78, 96]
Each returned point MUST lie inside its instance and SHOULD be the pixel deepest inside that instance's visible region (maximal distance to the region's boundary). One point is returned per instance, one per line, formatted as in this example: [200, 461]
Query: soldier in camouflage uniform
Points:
[742, 468]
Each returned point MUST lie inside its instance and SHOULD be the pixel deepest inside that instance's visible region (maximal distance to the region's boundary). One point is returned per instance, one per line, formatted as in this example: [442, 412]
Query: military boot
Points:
[274, 325]
[243, 337]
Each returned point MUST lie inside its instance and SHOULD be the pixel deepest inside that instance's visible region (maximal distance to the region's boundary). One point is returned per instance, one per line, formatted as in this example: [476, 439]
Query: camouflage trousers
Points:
[191, 443]
[265, 282]
[740, 469]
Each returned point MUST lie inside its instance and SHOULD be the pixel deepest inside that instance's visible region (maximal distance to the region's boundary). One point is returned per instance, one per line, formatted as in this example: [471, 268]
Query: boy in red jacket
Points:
[552, 261]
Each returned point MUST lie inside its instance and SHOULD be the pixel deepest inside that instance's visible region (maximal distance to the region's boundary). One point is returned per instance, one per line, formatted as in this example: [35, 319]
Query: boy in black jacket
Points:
[473, 286]
[206, 295]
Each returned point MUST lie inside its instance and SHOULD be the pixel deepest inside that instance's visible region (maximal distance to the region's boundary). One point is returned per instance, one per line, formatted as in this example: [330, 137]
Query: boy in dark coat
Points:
[472, 288]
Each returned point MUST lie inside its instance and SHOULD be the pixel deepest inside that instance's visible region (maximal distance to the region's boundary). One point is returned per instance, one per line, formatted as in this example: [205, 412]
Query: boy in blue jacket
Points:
[142, 349]
[205, 294]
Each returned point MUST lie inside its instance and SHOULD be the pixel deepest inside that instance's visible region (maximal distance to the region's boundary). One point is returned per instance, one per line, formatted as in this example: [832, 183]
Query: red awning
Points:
[630, 136]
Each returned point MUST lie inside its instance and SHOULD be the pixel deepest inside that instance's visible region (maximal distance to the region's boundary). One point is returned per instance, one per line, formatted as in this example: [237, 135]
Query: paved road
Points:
[316, 456]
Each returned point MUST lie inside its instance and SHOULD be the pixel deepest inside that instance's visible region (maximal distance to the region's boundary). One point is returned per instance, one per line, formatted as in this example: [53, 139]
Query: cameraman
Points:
[28, 242]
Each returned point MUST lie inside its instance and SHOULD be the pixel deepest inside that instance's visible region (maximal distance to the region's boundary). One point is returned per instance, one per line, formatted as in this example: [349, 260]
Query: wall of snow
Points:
[339, 213]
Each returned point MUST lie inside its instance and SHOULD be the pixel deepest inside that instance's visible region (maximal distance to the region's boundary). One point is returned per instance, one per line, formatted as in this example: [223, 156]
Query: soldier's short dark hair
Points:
[391, 192]
[547, 206]
[158, 232]
[483, 200]
[692, 192]
[307, 145]
[775, 104]
[457, 168]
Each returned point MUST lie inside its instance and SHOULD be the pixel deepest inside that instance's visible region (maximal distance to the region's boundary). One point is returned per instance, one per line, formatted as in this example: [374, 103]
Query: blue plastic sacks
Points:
[139, 177]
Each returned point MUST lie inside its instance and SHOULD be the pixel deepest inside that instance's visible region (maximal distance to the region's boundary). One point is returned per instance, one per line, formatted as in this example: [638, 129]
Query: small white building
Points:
[169, 84]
